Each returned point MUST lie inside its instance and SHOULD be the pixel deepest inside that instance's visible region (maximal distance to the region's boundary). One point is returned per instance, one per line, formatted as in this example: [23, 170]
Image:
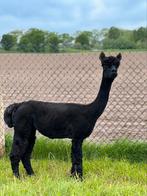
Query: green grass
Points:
[112, 169]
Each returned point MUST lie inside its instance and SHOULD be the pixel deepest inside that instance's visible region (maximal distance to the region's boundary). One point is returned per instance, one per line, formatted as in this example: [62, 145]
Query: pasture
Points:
[116, 169]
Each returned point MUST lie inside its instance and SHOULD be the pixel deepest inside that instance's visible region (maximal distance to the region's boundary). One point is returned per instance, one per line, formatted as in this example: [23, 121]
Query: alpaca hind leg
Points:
[76, 156]
[27, 155]
[18, 148]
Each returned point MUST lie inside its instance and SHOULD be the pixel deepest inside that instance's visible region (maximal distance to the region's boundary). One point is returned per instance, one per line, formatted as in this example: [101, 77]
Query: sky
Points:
[69, 16]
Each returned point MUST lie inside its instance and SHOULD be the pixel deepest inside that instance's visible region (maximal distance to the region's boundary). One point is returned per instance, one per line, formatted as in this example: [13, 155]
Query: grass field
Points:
[114, 169]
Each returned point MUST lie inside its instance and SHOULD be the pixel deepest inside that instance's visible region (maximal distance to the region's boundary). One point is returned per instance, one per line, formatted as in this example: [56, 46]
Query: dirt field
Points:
[76, 78]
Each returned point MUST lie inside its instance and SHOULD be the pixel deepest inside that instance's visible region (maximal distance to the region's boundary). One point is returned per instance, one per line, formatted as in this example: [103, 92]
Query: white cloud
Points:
[71, 15]
[98, 9]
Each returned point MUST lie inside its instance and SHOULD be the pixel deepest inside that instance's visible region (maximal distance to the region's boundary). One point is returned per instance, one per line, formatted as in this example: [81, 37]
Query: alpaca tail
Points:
[9, 114]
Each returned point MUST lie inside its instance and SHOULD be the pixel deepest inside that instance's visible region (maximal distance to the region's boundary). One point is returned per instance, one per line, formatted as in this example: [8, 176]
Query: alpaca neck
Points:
[98, 105]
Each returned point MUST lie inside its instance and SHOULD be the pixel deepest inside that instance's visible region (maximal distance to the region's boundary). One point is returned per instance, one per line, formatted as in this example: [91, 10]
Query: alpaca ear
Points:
[102, 56]
[119, 56]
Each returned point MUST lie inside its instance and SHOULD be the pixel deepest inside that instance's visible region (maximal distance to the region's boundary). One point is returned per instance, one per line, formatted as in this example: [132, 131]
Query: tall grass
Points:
[111, 169]
[60, 149]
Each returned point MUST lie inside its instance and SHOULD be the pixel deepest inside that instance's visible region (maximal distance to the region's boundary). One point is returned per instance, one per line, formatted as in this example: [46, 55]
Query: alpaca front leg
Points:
[76, 156]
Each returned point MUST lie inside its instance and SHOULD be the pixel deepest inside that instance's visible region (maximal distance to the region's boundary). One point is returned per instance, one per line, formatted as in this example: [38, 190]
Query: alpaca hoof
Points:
[31, 174]
[17, 175]
[76, 176]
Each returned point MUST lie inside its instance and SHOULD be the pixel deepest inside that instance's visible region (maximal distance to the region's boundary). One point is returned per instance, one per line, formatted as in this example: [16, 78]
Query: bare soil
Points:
[76, 78]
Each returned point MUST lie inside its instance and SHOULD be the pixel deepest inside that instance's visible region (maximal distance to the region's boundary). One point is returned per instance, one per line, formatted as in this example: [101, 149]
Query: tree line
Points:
[36, 40]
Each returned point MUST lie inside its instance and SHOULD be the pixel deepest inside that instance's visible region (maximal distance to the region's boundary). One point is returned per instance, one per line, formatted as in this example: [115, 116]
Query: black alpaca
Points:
[58, 120]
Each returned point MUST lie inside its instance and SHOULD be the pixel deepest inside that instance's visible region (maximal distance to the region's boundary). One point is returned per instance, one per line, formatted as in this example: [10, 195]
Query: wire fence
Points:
[76, 78]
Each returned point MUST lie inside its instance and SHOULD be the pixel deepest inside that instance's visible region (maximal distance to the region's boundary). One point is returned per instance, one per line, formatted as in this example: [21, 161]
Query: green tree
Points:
[140, 37]
[66, 40]
[52, 42]
[25, 45]
[83, 39]
[8, 41]
[140, 34]
[123, 43]
[113, 33]
[17, 34]
[32, 41]
[120, 43]
[65, 37]
[95, 40]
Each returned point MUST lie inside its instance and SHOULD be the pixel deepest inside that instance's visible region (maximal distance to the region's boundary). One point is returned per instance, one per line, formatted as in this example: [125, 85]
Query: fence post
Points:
[2, 130]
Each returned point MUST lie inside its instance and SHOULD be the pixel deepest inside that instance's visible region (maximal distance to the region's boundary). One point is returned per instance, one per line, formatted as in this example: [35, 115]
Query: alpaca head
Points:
[110, 65]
